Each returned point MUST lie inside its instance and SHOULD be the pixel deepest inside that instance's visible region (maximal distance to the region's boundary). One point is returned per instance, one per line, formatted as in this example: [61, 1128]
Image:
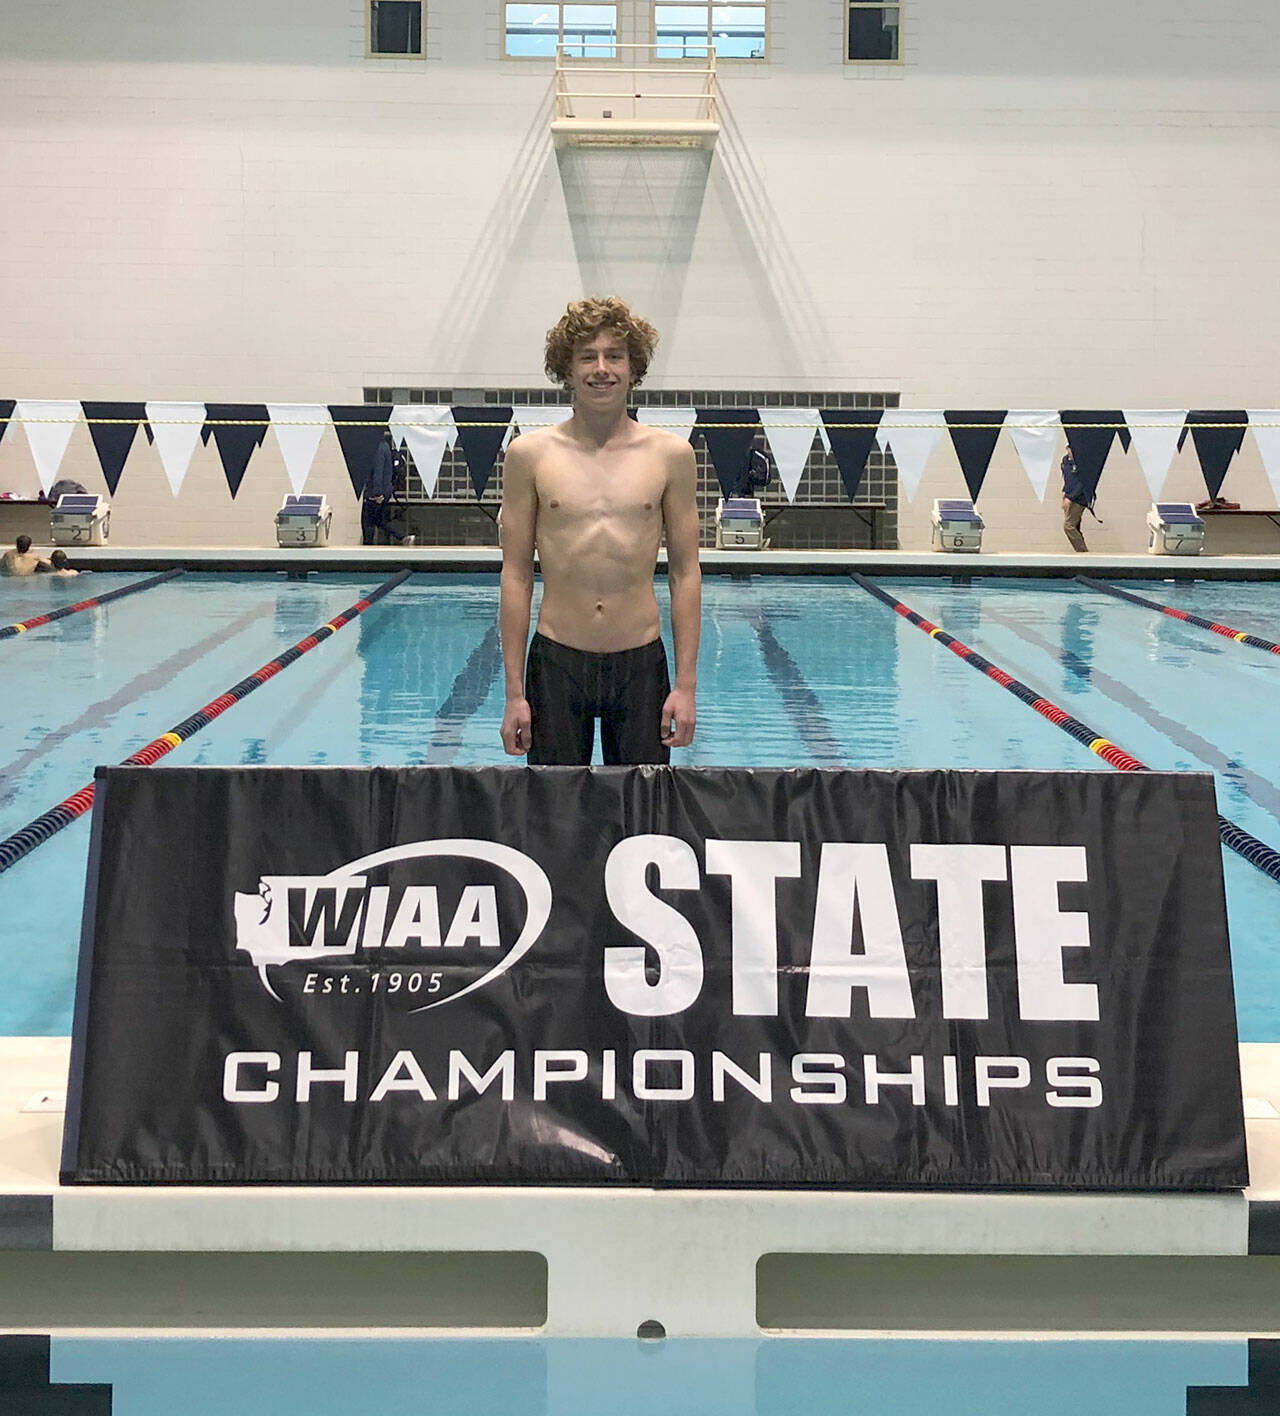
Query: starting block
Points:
[303, 521]
[956, 526]
[80, 519]
[1174, 529]
[739, 524]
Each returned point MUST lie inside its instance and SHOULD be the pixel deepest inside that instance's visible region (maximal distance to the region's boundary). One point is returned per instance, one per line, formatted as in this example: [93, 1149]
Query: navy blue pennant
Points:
[242, 428]
[113, 441]
[975, 447]
[1215, 445]
[481, 445]
[729, 448]
[7, 405]
[851, 446]
[1090, 445]
[360, 445]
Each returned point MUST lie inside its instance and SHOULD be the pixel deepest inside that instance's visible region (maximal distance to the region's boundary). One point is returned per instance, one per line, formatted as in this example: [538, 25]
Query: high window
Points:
[395, 28]
[586, 31]
[688, 31]
[873, 32]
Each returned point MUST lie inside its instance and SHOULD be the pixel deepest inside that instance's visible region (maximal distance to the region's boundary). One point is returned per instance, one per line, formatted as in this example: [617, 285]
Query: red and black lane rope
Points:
[8, 630]
[23, 842]
[1256, 852]
[1223, 629]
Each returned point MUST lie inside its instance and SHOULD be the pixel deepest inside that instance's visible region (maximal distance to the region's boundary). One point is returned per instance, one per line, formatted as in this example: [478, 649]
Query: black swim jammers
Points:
[568, 689]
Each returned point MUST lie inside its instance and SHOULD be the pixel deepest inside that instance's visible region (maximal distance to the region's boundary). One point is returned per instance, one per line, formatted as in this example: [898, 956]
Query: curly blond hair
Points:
[583, 319]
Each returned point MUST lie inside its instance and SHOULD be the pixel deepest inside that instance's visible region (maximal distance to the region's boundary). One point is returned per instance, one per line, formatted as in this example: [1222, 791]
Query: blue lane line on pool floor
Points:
[101, 713]
[1262, 792]
[469, 693]
[802, 705]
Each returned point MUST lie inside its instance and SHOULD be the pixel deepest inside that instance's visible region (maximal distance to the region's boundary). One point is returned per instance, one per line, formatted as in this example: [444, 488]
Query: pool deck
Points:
[709, 1263]
[487, 559]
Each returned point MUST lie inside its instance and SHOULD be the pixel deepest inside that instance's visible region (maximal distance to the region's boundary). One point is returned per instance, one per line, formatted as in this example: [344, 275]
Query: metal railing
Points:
[650, 91]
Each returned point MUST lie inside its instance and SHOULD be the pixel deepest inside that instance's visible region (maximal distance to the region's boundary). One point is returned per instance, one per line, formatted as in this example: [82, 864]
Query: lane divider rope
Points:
[23, 842]
[1253, 850]
[1225, 630]
[9, 630]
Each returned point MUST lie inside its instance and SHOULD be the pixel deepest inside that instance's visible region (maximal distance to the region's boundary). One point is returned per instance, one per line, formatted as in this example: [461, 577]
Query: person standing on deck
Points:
[1076, 500]
[594, 496]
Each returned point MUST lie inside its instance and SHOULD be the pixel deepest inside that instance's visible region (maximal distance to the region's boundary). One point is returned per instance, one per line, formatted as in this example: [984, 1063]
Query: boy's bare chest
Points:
[629, 488]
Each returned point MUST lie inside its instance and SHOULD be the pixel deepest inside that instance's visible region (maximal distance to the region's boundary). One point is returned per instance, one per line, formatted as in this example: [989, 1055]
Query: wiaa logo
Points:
[423, 907]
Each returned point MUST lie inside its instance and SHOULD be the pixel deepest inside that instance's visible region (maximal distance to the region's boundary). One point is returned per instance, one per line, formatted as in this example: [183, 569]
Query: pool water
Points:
[793, 671]
[532, 1377]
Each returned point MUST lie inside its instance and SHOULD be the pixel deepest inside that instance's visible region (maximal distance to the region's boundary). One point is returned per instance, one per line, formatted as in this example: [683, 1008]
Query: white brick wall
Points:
[1042, 206]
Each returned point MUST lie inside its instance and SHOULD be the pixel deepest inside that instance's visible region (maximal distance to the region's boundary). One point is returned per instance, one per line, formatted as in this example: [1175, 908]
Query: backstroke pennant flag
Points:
[1264, 424]
[729, 448]
[1155, 433]
[974, 445]
[49, 423]
[6, 412]
[1215, 445]
[678, 420]
[851, 445]
[359, 442]
[427, 430]
[1090, 433]
[910, 434]
[528, 416]
[482, 431]
[176, 428]
[298, 428]
[113, 440]
[790, 445]
[1034, 433]
[237, 429]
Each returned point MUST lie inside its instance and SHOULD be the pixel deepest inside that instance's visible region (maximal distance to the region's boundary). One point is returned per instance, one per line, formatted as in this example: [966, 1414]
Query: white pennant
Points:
[48, 439]
[528, 416]
[176, 429]
[1268, 441]
[426, 429]
[790, 445]
[1035, 436]
[675, 420]
[1155, 445]
[911, 446]
[298, 428]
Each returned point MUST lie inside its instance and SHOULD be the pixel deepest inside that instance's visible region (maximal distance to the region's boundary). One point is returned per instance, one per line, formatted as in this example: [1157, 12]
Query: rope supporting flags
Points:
[909, 435]
[1256, 852]
[23, 842]
[9, 630]
[1223, 629]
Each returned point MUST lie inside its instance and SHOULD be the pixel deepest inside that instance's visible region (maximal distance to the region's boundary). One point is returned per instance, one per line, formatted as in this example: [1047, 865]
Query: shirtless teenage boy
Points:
[22, 560]
[594, 496]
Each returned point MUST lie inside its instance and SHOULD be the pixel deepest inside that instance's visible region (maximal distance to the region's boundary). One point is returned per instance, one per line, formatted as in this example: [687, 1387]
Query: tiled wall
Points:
[819, 486]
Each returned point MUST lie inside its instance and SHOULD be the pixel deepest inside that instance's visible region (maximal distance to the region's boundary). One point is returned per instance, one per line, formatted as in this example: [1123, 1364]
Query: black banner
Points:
[655, 976]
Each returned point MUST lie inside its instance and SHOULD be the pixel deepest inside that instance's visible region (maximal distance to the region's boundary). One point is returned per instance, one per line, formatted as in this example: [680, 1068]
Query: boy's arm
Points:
[515, 592]
[684, 578]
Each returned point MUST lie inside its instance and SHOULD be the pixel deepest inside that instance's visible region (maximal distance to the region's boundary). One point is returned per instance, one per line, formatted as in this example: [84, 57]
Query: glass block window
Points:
[395, 28]
[586, 31]
[821, 517]
[874, 32]
[689, 31]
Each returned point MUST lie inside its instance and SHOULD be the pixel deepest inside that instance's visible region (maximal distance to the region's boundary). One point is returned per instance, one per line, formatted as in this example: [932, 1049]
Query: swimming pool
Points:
[793, 671]
[529, 1377]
